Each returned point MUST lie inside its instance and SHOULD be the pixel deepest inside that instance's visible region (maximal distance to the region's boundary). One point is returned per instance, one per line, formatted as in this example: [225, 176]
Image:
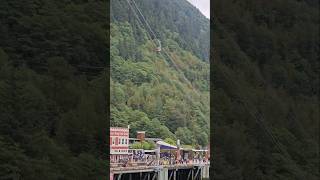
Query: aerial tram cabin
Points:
[158, 44]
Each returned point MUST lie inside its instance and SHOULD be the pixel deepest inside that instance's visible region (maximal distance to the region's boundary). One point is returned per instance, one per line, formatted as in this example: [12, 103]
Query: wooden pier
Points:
[164, 172]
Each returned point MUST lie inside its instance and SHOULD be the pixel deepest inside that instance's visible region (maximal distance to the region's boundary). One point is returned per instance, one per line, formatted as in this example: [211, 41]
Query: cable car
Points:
[158, 43]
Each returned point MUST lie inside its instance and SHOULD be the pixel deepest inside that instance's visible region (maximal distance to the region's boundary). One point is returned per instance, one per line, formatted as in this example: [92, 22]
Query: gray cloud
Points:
[203, 6]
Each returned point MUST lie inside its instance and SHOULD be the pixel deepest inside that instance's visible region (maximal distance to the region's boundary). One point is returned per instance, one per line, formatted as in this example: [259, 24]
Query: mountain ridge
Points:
[186, 20]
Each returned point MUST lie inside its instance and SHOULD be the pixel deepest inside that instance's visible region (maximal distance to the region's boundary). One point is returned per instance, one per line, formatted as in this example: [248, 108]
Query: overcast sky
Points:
[203, 6]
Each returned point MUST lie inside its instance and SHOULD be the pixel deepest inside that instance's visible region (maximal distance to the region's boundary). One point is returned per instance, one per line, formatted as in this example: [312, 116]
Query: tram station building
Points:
[119, 143]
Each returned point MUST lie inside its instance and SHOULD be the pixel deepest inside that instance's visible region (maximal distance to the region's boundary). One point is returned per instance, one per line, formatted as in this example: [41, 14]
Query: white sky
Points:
[203, 6]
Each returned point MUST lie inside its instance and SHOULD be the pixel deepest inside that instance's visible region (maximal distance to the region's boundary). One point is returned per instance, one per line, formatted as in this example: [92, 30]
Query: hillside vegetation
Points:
[265, 84]
[147, 92]
[52, 95]
[53, 86]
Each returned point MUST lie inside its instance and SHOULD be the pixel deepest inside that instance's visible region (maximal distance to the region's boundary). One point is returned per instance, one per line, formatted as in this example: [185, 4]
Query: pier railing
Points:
[169, 166]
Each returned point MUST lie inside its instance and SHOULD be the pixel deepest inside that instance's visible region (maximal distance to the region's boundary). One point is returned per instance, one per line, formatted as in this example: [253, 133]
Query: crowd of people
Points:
[142, 159]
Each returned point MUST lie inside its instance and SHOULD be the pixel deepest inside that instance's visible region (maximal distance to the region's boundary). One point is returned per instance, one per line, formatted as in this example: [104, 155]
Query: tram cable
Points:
[148, 25]
[89, 71]
[140, 22]
[151, 33]
[258, 117]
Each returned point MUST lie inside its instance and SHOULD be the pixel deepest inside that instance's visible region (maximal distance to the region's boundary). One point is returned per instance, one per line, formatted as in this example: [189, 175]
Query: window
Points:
[119, 141]
[113, 141]
[126, 142]
[122, 141]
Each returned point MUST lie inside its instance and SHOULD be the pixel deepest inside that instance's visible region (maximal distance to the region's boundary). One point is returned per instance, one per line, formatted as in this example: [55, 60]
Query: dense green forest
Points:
[189, 28]
[147, 92]
[265, 111]
[53, 85]
[264, 103]
[53, 89]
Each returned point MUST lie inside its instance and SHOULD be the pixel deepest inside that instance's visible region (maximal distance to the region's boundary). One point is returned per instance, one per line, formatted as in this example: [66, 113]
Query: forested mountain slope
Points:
[266, 83]
[53, 89]
[146, 91]
[191, 29]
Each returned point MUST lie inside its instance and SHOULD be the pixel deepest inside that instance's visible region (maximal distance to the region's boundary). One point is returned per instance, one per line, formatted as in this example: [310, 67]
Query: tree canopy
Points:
[147, 92]
[53, 89]
[265, 84]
